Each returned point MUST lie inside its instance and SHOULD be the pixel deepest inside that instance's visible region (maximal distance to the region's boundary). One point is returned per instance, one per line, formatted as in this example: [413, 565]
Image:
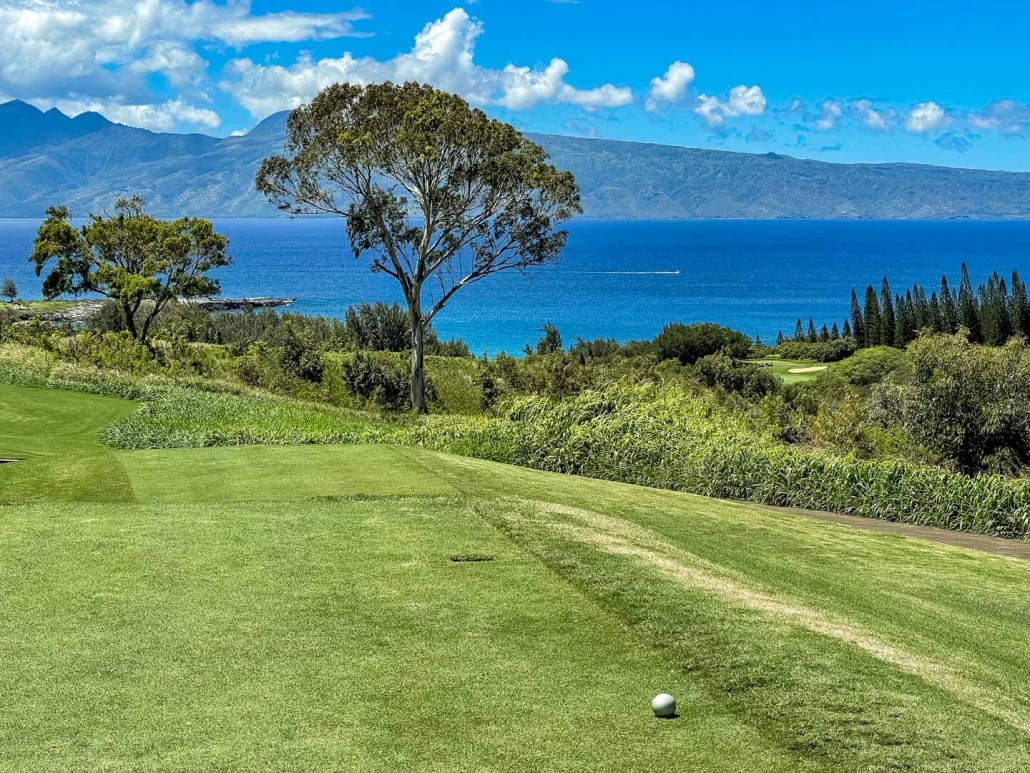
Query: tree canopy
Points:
[130, 257]
[436, 194]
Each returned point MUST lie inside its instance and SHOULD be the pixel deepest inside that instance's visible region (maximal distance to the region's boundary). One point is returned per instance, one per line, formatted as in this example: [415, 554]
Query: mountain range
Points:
[87, 162]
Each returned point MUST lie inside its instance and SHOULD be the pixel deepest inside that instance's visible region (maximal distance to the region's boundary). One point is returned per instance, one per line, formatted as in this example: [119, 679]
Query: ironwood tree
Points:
[436, 195]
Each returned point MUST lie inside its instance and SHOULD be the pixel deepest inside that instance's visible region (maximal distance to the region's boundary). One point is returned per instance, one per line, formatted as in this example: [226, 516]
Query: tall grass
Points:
[658, 436]
[193, 413]
[662, 437]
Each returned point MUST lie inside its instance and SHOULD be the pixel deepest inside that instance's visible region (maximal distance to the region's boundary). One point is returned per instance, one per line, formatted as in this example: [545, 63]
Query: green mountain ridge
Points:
[87, 162]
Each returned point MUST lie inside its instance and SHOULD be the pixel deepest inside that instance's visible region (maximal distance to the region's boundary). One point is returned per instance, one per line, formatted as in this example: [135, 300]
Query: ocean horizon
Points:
[621, 279]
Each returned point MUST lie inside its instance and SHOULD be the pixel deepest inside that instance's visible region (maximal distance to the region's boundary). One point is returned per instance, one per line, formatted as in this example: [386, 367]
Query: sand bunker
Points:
[814, 369]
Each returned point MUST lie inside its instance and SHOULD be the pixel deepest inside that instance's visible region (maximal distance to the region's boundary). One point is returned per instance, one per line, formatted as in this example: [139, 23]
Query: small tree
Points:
[8, 289]
[550, 342]
[689, 343]
[130, 257]
[435, 193]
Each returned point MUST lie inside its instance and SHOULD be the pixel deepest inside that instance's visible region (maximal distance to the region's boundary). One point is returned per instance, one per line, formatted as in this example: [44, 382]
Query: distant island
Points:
[86, 161]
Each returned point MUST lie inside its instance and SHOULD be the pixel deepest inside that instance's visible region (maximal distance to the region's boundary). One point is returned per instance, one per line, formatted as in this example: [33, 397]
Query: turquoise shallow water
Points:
[618, 279]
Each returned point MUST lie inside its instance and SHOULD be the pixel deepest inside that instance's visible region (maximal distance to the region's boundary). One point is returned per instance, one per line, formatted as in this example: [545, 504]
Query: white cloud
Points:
[671, 87]
[925, 117]
[443, 55]
[830, 113]
[743, 100]
[163, 116]
[1006, 116]
[104, 51]
[877, 119]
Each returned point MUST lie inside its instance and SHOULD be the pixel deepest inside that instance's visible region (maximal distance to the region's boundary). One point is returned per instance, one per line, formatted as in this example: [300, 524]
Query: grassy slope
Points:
[321, 624]
[54, 433]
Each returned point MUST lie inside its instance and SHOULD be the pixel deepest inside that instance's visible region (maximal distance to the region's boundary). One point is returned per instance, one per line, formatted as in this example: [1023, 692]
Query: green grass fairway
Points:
[52, 422]
[782, 369]
[296, 608]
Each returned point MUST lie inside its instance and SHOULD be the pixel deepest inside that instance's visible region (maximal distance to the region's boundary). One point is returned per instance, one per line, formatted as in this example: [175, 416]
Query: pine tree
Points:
[835, 331]
[920, 308]
[857, 326]
[871, 318]
[779, 338]
[907, 323]
[1019, 306]
[948, 308]
[899, 321]
[887, 316]
[933, 315]
[993, 300]
[812, 337]
[968, 314]
[846, 332]
[824, 334]
[799, 332]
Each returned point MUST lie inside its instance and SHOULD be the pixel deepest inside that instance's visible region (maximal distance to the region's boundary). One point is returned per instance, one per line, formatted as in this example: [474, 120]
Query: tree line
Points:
[992, 314]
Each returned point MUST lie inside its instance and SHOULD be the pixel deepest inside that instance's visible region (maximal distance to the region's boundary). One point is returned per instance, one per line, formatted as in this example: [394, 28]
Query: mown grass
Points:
[760, 621]
[322, 636]
[189, 414]
[782, 369]
[648, 435]
[296, 608]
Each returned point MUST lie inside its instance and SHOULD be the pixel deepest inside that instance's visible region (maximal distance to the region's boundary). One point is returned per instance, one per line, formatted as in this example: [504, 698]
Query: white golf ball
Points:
[664, 706]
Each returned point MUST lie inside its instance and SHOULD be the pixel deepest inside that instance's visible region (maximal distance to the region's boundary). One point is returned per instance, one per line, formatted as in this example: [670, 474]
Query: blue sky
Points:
[936, 82]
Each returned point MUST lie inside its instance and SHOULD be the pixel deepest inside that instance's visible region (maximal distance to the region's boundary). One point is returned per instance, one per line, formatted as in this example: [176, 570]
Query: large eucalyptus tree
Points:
[436, 194]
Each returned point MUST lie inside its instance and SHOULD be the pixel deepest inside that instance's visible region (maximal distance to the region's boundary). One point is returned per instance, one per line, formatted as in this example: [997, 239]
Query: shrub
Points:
[722, 371]
[966, 402]
[299, 357]
[663, 437]
[383, 380]
[870, 366]
[819, 351]
[549, 343]
[689, 343]
[112, 351]
[379, 327]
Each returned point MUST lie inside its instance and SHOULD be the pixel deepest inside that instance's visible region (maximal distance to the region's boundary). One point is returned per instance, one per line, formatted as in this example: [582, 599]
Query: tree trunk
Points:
[130, 320]
[418, 365]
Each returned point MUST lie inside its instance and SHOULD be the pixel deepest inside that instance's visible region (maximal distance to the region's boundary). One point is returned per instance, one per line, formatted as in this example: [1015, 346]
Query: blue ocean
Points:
[617, 279]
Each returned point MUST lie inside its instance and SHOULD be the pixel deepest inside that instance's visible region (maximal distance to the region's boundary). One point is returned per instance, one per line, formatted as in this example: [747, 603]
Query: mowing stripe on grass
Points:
[618, 537]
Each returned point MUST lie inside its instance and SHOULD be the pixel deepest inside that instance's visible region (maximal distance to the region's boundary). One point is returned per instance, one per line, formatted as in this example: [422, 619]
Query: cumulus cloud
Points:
[104, 52]
[926, 117]
[743, 100]
[877, 119]
[1006, 116]
[443, 55]
[671, 87]
[830, 113]
[161, 116]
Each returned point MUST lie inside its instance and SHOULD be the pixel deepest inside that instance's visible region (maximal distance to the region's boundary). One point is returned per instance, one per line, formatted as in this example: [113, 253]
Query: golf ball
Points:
[664, 705]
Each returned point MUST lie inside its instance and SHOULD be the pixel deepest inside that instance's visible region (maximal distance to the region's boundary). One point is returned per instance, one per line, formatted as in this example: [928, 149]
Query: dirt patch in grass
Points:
[1012, 548]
